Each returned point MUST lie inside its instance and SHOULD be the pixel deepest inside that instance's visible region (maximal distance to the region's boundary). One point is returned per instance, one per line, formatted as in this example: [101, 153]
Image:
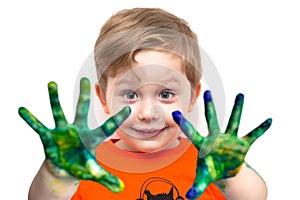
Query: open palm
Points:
[220, 155]
[70, 148]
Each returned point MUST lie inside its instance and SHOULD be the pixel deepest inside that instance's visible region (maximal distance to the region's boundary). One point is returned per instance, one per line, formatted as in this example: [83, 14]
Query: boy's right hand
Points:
[70, 148]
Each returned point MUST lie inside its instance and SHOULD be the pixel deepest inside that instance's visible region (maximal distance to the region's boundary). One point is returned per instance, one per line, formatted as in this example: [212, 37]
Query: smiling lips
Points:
[148, 133]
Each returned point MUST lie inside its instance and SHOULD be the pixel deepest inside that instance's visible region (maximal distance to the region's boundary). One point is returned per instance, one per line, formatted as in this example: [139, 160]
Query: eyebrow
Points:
[162, 80]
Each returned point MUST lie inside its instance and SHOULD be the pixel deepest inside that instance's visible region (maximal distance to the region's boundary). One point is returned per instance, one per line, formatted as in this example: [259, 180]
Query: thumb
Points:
[198, 187]
[100, 175]
[111, 182]
[196, 190]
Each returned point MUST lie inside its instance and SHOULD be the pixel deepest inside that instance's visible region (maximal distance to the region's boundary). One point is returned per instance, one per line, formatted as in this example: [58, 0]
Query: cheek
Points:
[182, 104]
[115, 104]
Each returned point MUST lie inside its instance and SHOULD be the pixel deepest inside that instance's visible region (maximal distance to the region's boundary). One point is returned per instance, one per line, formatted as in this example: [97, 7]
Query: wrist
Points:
[223, 183]
[56, 171]
[46, 185]
[246, 184]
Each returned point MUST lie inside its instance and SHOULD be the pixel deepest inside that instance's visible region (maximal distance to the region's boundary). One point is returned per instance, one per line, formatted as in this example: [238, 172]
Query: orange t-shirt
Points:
[167, 174]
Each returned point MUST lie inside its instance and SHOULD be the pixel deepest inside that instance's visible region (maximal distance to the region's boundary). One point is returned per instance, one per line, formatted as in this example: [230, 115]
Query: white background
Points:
[254, 45]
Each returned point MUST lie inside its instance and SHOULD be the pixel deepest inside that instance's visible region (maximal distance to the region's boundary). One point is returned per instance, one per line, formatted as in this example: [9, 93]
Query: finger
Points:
[112, 182]
[202, 180]
[210, 114]
[101, 176]
[85, 167]
[258, 131]
[58, 114]
[235, 117]
[31, 120]
[34, 123]
[196, 191]
[83, 103]
[113, 123]
[188, 129]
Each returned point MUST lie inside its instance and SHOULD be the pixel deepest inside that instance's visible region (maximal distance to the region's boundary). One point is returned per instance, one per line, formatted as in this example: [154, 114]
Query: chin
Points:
[152, 146]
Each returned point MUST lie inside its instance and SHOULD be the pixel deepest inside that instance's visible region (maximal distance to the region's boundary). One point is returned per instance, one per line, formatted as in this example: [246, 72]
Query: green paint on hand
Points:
[220, 154]
[71, 147]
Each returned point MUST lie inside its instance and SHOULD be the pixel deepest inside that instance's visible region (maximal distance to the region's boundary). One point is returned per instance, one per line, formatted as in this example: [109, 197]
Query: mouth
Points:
[148, 133]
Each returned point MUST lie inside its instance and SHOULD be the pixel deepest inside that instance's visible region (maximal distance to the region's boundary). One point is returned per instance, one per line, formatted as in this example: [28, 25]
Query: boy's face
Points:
[154, 88]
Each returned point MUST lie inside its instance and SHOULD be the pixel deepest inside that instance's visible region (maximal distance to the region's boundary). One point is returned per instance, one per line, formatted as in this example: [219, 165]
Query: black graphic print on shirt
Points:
[146, 192]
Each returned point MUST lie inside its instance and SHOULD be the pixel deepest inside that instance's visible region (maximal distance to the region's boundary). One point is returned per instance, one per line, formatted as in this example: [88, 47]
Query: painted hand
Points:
[70, 148]
[220, 154]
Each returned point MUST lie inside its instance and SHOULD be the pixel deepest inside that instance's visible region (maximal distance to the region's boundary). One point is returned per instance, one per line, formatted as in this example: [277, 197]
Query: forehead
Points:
[152, 67]
[156, 57]
[151, 74]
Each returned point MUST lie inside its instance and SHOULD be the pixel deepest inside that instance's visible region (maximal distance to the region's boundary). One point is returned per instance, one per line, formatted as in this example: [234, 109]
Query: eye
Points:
[130, 95]
[166, 95]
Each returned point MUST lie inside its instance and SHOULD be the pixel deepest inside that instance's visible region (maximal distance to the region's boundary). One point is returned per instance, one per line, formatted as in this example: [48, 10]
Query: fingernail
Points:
[85, 79]
[52, 84]
[267, 123]
[192, 193]
[21, 110]
[239, 98]
[177, 116]
[207, 96]
[123, 115]
[127, 109]
[121, 186]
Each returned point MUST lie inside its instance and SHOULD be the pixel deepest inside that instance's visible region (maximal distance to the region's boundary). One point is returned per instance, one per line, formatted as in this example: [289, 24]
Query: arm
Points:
[246, 184]
[70, 148]
[221, 155]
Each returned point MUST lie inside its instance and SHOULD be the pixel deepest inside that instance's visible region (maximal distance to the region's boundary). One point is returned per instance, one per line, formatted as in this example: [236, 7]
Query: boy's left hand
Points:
[220, 154]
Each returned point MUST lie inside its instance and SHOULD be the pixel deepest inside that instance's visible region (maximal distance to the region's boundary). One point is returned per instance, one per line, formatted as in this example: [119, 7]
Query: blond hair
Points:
[133, 30]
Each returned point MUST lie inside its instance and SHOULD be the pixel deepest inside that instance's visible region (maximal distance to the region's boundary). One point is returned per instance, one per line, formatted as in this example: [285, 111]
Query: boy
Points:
[148, 66]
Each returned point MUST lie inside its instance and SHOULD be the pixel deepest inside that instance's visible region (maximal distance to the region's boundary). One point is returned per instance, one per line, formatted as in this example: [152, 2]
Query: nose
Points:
[149, 111]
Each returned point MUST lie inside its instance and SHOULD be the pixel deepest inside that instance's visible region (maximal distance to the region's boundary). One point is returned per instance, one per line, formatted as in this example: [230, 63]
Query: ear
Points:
[101, 98]
[171, 192]
[194, 97]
